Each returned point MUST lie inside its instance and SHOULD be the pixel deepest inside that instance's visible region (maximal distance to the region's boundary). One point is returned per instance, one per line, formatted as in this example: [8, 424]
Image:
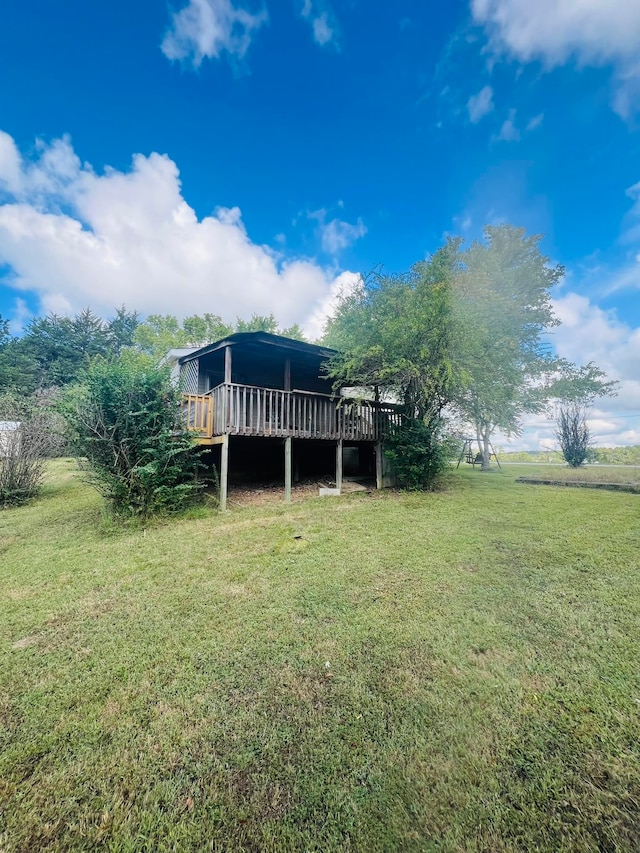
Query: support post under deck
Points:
[287, 469]
[224, 471]
[339, 465]
[378, 465]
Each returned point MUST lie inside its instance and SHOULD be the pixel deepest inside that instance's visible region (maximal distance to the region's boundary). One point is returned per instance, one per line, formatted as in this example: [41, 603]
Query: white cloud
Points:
[336, 234]
[480, 105]
[343, 285]
[509, 132]
[322, 21]
[589, 333]
[593, 32]
[206, 28]
[78, 238]
[535, 122]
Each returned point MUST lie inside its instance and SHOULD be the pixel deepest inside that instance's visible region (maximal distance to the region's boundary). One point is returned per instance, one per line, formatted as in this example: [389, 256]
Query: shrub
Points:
[125, 421]
[27, 437]
[573, 433]
[417, 452]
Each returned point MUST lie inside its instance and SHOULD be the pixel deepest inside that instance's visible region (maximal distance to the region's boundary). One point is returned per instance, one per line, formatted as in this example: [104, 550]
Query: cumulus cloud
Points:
[206, 28]
[322, 21]
[76, 238]
[345, 283]
[593, 32]
[480, 105]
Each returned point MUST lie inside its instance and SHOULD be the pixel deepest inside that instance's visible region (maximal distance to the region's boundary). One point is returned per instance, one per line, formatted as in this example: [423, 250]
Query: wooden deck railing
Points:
[249, 410]
[197, 411]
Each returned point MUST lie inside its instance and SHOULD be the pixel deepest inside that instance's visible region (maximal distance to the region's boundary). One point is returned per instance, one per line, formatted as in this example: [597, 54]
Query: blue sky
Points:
[232, 157]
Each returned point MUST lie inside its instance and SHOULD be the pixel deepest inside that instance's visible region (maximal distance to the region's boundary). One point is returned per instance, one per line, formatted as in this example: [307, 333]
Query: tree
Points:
[121, 330]
[501, 301]
[19, 370]
[62, 347]
[204, 330]
[395, 333]
[124, 420]
[573, 433]
[158, 334]
[161, 332]
[294, 332]
[258, 323]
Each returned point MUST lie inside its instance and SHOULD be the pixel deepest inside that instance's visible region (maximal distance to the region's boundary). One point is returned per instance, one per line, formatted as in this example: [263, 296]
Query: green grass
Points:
[589, 474]
[442, 672]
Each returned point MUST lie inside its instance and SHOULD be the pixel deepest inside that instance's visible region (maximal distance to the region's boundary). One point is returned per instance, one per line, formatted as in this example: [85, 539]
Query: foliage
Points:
[204, 330]
[618, 455]
[395, 331]
[158, 334]
[54, 350]
[161, 332]
[502, 307]
[573, 433]
[124, 421]
[417, 453]
[27, 438]
[258, 323]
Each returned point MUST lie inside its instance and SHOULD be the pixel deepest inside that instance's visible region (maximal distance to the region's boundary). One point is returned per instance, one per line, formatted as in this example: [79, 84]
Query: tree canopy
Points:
[55, 351]
[467, 331]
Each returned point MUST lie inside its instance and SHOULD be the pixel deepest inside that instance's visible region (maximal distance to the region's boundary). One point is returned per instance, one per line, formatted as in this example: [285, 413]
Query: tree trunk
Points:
[483, 432]
[486, 450]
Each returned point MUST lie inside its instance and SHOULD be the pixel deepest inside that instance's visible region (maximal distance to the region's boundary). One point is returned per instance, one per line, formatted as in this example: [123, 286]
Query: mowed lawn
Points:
[440, 672]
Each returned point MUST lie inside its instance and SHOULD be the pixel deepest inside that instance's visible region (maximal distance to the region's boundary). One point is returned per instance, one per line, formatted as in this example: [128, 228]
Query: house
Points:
[264, 400]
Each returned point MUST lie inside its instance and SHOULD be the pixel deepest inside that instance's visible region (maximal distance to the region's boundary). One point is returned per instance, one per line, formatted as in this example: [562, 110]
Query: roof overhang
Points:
[258, 340]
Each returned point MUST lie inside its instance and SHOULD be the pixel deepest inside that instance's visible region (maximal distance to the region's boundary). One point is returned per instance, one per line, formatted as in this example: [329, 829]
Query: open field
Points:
[444, 672]
[626, 474]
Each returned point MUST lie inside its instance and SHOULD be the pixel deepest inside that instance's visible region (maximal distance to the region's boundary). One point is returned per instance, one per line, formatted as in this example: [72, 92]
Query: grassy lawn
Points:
[455, 671]
[585, 474]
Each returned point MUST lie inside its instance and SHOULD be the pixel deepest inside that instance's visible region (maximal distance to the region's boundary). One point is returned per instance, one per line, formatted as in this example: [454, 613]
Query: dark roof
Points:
[256, 340]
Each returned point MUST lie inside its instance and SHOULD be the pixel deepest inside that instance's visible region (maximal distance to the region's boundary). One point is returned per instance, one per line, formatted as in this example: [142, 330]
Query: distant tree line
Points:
[602, 455]
[54, 351]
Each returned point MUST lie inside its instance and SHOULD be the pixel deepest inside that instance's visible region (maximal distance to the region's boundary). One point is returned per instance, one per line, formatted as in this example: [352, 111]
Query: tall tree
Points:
[121, 330]
[501, 301]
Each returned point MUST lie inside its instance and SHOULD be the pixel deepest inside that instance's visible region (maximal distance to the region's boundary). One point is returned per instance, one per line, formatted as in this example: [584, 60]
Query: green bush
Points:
[125, 422]
[417, 452]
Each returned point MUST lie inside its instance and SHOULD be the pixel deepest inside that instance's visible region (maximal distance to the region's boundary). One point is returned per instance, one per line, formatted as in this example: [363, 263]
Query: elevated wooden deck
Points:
[232, 409]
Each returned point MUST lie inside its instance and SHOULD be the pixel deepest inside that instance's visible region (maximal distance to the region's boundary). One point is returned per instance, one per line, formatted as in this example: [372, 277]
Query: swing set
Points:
[473, 458]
